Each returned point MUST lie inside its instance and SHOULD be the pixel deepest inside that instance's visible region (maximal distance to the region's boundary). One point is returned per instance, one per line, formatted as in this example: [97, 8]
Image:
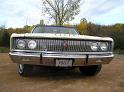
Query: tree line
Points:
[5, 34]
[115, 31]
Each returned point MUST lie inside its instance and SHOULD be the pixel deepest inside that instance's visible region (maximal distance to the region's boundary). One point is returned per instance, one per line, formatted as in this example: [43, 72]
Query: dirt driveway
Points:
[110, 79]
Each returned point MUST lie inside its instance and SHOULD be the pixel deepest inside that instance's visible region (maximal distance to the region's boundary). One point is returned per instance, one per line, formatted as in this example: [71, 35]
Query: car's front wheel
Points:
[90, 70]
[25, 70]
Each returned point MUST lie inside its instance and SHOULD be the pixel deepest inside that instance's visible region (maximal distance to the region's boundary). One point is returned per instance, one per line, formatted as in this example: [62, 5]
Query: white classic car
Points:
[63, 47]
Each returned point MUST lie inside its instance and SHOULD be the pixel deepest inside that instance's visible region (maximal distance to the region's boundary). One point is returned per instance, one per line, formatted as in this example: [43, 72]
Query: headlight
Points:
[94, 46]
[21, 44]
[32, 44]
[104, 46]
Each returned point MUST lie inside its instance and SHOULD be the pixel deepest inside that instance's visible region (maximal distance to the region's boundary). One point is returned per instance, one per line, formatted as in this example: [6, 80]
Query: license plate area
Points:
[64, 62]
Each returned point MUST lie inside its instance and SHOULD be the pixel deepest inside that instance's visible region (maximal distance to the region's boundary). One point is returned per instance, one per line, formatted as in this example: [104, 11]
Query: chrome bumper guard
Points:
[48, 59]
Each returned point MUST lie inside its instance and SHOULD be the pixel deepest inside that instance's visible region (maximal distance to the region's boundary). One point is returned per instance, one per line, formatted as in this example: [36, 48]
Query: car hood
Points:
[62, 36]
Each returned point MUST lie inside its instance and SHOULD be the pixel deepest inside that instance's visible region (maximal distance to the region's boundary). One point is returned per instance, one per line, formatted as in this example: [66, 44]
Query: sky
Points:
[17, 13]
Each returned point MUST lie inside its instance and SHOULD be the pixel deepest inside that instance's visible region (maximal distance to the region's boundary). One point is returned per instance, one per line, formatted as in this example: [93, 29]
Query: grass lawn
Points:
[4, 49]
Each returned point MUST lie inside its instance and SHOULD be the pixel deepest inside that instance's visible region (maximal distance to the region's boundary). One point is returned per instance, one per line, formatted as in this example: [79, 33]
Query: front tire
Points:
[90, 70]
[25, 70]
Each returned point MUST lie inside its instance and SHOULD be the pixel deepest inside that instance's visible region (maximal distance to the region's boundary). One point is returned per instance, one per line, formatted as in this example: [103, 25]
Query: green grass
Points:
[4, 49]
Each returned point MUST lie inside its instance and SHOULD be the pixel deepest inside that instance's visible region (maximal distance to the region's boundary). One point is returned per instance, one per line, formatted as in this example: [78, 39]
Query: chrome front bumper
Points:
[48, 59]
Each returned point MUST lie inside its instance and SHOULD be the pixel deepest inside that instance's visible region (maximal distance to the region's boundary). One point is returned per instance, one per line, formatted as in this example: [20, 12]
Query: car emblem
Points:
[65, 45]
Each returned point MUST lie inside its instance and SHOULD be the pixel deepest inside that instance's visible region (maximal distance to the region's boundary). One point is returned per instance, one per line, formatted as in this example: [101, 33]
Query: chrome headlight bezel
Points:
[32, 44]
[21, 44]
[104, 46]
[94, 46]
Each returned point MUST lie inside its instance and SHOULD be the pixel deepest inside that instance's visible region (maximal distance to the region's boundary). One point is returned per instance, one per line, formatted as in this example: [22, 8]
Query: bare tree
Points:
[61, 10]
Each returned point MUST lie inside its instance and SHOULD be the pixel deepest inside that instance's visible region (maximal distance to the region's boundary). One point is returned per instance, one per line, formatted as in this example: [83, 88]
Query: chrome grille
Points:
[57, 45]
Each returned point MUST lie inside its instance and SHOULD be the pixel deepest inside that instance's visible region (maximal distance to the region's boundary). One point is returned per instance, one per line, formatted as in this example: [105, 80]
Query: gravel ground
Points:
[110, 79]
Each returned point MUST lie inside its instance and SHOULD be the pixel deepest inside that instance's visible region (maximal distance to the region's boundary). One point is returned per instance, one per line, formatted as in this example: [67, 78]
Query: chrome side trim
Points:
[98, 56]
[76, 56]
[62, 56]
[25, 54]
[49, 52]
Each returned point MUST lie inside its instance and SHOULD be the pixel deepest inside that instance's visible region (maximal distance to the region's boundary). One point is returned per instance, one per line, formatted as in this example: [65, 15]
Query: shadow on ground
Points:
[57, 73]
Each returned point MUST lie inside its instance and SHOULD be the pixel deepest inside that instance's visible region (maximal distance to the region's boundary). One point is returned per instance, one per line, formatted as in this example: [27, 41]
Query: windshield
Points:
[50, 29]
